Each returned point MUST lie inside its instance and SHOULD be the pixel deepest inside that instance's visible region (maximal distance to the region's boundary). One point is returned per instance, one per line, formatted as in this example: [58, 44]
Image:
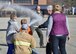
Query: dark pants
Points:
[10, 49]
[58, 42]
[49, 48]
[40, 34]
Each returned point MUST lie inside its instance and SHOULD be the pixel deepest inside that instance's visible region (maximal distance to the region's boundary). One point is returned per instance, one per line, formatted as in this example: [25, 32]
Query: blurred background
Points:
[69, 6]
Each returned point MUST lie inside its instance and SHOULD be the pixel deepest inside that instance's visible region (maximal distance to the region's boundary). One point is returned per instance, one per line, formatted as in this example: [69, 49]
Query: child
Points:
[24, 21]
[11, 30]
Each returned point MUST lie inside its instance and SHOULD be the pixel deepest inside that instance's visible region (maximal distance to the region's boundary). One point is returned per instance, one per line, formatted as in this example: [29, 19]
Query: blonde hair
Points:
[57, 7]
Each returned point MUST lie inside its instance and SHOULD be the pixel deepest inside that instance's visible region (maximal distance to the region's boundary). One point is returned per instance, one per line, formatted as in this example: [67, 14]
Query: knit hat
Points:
[50, 7]
[24, 26]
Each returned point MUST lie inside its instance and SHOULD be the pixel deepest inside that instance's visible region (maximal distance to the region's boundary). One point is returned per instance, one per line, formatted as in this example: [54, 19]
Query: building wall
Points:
[42, 2]
[49, 2]
[23, 2]
[32, 2]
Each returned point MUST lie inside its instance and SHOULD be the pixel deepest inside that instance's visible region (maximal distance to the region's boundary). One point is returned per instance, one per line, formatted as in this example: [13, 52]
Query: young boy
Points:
[11, 30]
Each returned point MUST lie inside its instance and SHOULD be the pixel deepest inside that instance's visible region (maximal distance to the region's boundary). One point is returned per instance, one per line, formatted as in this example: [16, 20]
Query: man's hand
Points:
[47, 39]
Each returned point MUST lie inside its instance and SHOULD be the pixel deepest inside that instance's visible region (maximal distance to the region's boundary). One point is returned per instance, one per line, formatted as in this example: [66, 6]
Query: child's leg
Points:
[10, 49]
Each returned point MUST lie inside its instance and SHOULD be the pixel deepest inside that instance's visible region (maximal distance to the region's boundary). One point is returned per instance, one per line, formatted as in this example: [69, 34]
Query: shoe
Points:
[42, 46]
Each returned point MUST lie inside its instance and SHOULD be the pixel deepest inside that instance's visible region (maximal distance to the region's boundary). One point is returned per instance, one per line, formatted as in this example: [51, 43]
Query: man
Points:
[34, 27]
[24, 42]
[45, 25]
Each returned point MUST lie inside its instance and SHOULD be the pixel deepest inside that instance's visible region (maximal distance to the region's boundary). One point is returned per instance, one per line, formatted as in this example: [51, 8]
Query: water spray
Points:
[24, 11]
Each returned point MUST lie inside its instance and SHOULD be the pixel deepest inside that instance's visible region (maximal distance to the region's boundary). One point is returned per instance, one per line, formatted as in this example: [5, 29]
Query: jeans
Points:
[10, 49]
[59, 42]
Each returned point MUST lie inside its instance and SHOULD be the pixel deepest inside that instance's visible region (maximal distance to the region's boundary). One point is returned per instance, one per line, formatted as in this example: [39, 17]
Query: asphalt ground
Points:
[71, 44]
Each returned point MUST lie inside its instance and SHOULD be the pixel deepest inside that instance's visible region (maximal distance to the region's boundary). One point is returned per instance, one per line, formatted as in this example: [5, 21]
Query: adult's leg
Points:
[40, 34]
[49, 48]
[62, 43]
[55, 44]
[33, 29]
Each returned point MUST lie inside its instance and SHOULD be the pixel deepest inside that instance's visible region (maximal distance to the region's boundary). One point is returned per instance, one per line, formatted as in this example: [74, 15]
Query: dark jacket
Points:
[45, 24]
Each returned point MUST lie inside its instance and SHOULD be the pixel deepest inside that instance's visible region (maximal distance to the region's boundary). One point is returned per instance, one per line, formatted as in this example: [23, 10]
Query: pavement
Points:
[71, 44]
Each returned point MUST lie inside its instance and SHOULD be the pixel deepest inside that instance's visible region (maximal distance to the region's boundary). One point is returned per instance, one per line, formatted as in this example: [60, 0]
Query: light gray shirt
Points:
[11, 29]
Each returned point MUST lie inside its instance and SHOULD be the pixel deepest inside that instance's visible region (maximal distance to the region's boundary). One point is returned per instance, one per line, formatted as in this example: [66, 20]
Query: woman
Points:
[59, 30]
